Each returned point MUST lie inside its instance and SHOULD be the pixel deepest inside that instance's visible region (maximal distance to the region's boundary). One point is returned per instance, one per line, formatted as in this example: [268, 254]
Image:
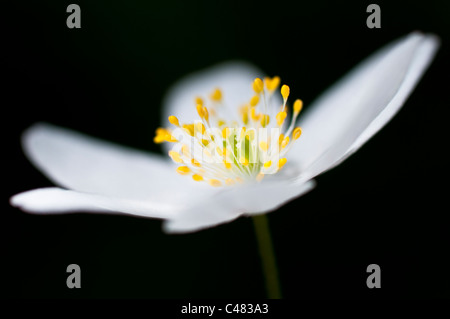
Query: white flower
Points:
[96, 176]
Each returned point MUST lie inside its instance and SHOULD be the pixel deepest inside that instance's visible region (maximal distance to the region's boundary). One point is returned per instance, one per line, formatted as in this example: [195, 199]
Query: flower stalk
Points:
[266, 252]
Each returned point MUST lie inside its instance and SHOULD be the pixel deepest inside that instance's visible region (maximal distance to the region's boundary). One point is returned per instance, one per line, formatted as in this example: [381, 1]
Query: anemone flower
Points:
[235, 146]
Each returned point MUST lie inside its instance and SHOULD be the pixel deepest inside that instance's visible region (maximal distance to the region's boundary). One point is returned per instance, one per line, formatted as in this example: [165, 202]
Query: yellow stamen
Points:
[258, 85]
[253, 115]
[227, 165]
[195, 162]
[200, 111]
[175, 157]
[280, 117]
[197, 177]
[243, 161]
[173, 120]
[229, 181]
[281, 163]
[298, 105]
[245, 118]
[200, 127]
[265, 120]
[216, 95]
[268, 164]
[198, 101]
[297, 132]
[285, 142]
[205, 114]
[214, 182]
[189, 128]
[254, 100]
[183, 170]
[285, 91]
[272, 84]
[263, 146]
[226, 132]
[185, 150]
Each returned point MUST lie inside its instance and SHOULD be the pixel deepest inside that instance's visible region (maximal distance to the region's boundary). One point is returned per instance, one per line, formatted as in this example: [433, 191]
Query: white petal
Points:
[85, 164]
[236, 201]
[354, 109]
[59, 201]
[233, 78]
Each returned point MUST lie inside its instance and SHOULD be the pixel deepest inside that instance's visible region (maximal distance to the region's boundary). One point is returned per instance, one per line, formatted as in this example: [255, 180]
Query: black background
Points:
[386, 204]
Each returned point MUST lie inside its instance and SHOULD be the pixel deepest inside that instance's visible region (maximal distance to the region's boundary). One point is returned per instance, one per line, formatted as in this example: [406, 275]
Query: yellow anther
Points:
[267, 164]
[219, 151]
[280, 117]
[183, 170]
[265, 120]
[225, 132]
[253, 115]
[216, 95]
[214, 182]
[285, 142]
[227, 165]
[258, 85]
[254, 100]
[242, 134]
[281, 163]
[259, 177]
[189, 128]
[263, 146]
[197, 177]
[195, 162]
[200, 111]
[243, 161]
[245, 118]
[298, 105]
[161, 130]
[198, 101]
[173, 120]
[185, 150]
[175, 157]
[170, 138]
[163, 135]
[221, 122]
[250, 135]
[297, 132]
[272, 84]
[205, 114]
[199, 127]
[285, 91]
[229, 181]
[159, 139]
[280, 138]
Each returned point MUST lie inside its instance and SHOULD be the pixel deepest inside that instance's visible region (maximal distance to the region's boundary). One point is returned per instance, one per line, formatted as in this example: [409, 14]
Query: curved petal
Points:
[233, 202]
[354, 109]
[55, 200]
[233, 78]
[86, 164]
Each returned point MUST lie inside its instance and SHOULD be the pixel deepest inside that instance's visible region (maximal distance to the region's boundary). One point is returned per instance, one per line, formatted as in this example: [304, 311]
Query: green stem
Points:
[266, 252]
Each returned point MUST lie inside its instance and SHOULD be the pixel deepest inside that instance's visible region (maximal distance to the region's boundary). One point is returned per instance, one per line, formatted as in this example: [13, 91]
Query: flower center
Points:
[222, 150]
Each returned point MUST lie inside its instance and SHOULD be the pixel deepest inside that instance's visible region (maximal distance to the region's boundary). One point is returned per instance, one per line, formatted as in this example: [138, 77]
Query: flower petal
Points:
[233, 78]
[55, 200]
[354, 109]
[231, 203]
[86, 164]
